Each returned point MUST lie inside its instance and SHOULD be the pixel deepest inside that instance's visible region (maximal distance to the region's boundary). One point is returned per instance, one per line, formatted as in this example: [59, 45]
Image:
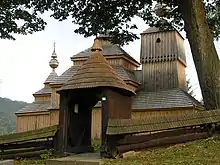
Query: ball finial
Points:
[54, 62]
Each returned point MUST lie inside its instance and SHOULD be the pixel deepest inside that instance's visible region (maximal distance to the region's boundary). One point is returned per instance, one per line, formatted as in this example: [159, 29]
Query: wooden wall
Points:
[96, 123]
[113, 60]
[160, 75]
[32, 121]
[163, 60]
[127, 64]
[55, 97]
[117, 110]
[54, 117]
[181, 75]
[42, 98]
[170, 47]
[96, 117]
[156, 113]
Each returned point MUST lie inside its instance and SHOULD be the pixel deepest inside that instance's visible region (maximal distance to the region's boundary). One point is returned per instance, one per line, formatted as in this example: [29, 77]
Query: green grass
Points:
[201, 152]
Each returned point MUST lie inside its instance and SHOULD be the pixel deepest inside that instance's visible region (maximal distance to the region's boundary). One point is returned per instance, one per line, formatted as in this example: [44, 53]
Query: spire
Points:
[54, 62]
[54, 51]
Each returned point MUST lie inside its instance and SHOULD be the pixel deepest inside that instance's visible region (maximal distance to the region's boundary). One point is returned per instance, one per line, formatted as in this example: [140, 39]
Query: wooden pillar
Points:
[88, 118]
[61, 139]
[105, 117]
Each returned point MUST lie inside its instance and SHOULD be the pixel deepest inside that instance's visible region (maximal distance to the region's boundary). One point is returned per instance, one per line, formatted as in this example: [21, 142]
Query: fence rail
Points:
[27, 144]
[135, 134]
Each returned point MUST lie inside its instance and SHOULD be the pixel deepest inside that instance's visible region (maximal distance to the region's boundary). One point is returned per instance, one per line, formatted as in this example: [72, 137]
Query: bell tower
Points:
[163, 59]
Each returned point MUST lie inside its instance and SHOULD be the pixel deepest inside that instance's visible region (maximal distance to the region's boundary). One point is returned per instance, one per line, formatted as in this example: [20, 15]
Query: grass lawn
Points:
[201, 152]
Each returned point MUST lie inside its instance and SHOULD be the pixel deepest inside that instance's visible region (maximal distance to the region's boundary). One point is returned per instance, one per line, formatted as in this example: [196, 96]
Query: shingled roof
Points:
[45, 90]
[96, 72]
[159, 123]
[51, 77]
[109, 49]
[63, 78]
[34, 107]
[172, 98]
[123, 73]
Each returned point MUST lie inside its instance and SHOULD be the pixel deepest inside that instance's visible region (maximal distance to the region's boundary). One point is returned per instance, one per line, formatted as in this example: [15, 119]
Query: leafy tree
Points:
[19, 17]
[199, 18]
[190, 89]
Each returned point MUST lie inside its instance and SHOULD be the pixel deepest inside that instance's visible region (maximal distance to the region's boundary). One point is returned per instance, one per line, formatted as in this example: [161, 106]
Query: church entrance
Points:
[95, 81]
[77, 119]
[74, 135]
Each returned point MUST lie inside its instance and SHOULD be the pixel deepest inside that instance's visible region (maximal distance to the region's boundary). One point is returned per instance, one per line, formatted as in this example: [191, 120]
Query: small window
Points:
[158, 40]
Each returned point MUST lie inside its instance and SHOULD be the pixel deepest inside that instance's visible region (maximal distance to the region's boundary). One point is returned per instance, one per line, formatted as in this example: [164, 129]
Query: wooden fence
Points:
[122, 134]
[132, 134]
[27, 144]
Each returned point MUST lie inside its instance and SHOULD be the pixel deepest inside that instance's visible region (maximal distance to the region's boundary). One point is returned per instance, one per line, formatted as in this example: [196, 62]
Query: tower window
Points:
[158, 40]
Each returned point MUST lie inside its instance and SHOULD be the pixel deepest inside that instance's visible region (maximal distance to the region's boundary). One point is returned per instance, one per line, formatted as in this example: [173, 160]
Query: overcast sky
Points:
[24, 63]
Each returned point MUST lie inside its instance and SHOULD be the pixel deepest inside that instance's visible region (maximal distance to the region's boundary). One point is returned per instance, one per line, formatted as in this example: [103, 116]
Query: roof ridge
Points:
[114, 49]
[192, 99]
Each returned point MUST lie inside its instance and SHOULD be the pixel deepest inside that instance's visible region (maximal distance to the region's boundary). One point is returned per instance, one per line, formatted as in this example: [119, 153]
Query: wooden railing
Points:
[135, 134]
[27, 144]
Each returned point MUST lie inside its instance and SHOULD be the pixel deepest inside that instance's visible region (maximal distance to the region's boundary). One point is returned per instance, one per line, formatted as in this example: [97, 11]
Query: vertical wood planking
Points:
[161, 60]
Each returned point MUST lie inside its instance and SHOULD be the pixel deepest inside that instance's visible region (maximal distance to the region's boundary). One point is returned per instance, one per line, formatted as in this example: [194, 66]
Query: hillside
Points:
[7, 117]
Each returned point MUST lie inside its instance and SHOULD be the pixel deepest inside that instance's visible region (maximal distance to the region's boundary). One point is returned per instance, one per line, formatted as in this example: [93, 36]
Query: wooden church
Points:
[159, 88]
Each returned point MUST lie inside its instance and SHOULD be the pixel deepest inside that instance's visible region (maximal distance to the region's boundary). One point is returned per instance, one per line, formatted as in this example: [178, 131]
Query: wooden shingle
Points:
[126, 126]
[95, 72]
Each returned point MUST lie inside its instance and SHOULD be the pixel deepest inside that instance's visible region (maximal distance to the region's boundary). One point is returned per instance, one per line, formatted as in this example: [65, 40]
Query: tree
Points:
[198, 18]
[19, 17]
[190, 89]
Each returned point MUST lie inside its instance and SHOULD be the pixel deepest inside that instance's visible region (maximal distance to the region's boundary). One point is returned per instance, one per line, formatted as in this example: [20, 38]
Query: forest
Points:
[7, 114]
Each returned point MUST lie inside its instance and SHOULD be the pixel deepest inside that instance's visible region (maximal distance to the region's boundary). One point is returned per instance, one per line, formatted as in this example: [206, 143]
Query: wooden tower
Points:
[163, 59]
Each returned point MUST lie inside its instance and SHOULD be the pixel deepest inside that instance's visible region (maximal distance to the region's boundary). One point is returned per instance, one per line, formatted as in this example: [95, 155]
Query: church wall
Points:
[54, 117]
[157, 113]
[160, 75]
[164, 50]
[96, 116]
[42, 98]
[113, 60]
[127, 64]
[55, 97]
[31, 121]
[96, 123]
[181, 75]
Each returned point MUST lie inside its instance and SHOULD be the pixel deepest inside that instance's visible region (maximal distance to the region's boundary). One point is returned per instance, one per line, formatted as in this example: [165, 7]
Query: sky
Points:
[24, 63]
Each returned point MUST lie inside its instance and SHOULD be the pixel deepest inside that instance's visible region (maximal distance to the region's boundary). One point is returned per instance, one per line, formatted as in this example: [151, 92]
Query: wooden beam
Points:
[29, 135]
[162, 142]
